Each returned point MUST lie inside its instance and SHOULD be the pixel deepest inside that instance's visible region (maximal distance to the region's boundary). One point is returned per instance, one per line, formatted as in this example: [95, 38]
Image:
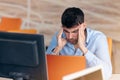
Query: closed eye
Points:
[66, 31]
[76, 31]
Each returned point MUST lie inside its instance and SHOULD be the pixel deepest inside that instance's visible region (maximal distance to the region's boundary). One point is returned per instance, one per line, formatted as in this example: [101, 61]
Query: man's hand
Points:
[61, 43]
[81, 40]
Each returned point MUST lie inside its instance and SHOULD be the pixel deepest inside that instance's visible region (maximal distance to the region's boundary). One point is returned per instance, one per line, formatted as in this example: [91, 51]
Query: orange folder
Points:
[59, 66]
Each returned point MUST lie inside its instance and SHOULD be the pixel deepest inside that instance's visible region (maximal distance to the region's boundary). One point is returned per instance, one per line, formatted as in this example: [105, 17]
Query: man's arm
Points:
[101, 56]
[57, 43]
[60, 43]
[52, 45]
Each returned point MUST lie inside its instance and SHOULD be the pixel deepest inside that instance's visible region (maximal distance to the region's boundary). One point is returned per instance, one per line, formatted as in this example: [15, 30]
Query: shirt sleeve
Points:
[101, 56]
[52, 45]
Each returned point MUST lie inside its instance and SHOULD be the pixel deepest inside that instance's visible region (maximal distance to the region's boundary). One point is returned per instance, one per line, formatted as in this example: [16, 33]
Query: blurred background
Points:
[45, 17]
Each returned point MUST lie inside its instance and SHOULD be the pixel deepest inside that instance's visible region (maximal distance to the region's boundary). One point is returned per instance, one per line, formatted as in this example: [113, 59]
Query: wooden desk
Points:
[115, 77]
[89, 74]
[86, 74]
[76, 75]
[5, 79]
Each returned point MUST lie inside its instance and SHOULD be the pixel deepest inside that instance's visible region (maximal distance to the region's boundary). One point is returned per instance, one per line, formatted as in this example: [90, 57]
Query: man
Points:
[75, 38]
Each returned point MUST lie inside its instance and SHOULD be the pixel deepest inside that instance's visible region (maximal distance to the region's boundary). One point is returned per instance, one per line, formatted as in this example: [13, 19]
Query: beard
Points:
[73, 41]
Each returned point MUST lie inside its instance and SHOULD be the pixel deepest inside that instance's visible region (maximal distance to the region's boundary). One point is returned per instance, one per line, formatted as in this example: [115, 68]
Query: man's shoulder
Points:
[94, 35]
[94, 32]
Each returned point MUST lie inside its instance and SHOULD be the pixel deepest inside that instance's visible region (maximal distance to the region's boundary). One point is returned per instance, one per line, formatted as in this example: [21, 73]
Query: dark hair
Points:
[72, 17]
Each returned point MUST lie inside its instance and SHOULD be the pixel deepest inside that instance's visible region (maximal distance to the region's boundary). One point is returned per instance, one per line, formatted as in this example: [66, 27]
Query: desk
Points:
[86, 74]
[89, 74]
[5, 79]
[115, 77]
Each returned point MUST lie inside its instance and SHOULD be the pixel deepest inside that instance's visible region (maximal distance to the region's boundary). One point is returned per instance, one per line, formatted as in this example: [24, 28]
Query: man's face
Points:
[72, 34]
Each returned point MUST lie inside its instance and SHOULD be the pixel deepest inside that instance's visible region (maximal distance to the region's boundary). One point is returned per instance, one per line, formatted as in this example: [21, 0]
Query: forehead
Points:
[71, 29]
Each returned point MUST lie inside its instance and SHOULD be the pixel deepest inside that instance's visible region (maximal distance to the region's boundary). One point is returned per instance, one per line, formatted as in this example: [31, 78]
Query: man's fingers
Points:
[60, 33]
[81, 32]
[81, 35]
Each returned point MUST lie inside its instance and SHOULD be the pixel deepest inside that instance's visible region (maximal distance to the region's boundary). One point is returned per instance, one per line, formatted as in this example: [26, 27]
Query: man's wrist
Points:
[56, 50]
[85, 50]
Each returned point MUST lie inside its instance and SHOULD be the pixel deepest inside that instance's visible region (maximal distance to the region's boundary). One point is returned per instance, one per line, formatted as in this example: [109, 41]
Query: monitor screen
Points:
[22, 56]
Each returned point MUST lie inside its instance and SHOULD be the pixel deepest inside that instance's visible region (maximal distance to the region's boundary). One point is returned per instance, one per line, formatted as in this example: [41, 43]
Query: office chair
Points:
[110, 46]
[29, 31]
[10, 23]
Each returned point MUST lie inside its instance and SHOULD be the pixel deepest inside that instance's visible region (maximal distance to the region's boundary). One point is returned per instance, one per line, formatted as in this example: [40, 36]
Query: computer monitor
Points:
[22, 56]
